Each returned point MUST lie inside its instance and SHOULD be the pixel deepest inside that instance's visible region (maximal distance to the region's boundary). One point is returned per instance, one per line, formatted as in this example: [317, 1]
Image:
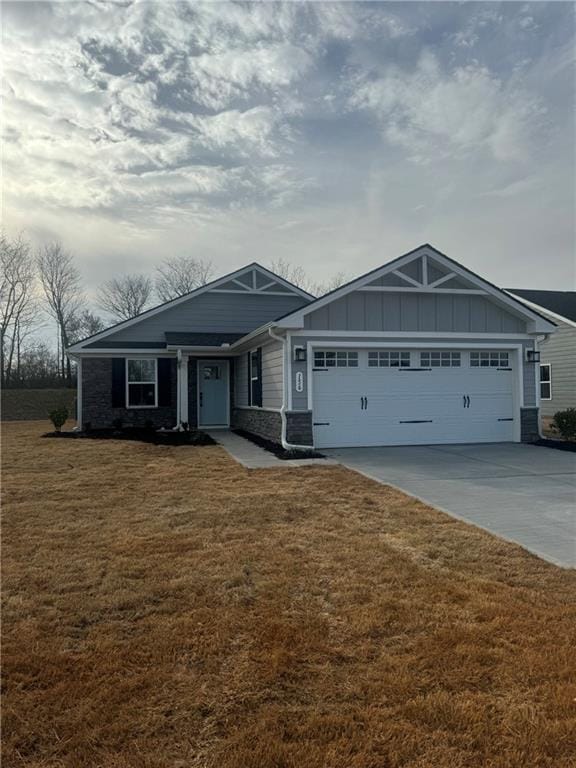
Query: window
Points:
[335, 359]
[489, 360]
[142, 383]
[211, 372]
[255, 387]
[546, 381]
[440, 359]
[389, 359]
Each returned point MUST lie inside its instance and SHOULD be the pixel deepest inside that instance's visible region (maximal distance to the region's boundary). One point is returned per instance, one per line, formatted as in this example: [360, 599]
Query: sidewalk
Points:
[253, 457]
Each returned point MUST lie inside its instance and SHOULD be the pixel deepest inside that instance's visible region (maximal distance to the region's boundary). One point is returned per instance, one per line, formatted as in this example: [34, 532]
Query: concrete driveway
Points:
[523, 493]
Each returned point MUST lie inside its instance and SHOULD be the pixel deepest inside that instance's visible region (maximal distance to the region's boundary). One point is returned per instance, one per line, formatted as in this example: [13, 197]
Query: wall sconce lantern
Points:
[532, 356]
[300, 354]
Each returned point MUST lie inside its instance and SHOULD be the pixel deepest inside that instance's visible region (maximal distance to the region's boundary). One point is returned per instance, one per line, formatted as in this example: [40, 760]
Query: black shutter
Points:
[258, 384]
[249, 357]
[119, 382]
[165, 381]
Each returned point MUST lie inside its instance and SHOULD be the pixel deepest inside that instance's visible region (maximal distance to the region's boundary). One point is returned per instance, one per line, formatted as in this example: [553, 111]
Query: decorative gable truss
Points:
[256, 281]
[425, 271]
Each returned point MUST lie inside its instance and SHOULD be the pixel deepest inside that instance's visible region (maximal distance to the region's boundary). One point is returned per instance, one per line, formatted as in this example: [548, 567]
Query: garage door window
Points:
[389, 359]
[489, 359]
[343, 359]
[545, 382]
[440, 359]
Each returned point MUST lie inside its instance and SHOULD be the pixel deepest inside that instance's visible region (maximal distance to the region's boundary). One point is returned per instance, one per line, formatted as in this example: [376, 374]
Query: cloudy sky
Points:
[334, 135]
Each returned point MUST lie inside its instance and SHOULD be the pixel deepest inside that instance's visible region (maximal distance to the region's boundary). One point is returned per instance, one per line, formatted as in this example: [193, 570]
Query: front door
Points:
[213, 399]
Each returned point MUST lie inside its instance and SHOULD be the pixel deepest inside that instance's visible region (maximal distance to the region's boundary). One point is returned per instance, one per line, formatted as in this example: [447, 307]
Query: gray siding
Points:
[241, 380]
[300, 399]
[272, 385]
[559, 350]
[365, 311]
[214, 312]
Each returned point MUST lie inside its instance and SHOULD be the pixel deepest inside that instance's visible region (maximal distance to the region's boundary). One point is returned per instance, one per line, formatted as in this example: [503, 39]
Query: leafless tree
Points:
[179, 275]
[126, 296]
[60, 282]
[18, 310]
[296, 274]
[84, 324]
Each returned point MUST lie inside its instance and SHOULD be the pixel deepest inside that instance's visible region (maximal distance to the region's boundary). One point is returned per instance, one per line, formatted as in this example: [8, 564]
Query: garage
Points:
[401, 396]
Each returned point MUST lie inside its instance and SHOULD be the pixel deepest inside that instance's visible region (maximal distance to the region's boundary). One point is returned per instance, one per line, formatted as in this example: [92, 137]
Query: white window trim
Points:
[400, 352]
[490, 351]
[142, 407]
[549, 382]
[335, 366]
[451, 361]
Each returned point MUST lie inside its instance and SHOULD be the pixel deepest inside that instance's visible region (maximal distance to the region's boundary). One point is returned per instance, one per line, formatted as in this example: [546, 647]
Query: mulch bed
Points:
[141, 435]
[277, 449]
[560, 445]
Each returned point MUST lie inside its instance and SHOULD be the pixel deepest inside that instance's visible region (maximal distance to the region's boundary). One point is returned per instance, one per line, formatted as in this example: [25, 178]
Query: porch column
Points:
[183, 388]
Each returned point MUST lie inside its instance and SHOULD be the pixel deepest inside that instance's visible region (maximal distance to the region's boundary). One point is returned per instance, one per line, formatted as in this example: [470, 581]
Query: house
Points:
[418, 351]
[557, 352]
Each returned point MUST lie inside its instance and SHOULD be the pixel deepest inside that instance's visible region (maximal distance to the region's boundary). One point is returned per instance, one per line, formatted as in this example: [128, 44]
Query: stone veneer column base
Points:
[299, 428]
[268, 424]
[529, 425]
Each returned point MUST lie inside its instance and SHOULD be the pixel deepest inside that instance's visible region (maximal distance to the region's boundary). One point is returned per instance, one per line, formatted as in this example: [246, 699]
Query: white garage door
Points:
[412, 397]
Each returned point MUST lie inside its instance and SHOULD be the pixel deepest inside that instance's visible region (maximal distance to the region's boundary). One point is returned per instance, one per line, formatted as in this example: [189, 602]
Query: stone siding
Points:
[267, 424]
[529, 432]
[97, 410]
[299, 428]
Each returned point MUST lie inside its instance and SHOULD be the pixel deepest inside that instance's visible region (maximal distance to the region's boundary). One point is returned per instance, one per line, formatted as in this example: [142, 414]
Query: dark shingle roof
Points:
[560, 302]
[201, 339]
[126, 345]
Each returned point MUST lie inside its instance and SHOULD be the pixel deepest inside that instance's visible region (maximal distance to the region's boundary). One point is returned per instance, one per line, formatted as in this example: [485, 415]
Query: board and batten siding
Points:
[364, 311]
[211, 312]
[300, 399]
[559, 351]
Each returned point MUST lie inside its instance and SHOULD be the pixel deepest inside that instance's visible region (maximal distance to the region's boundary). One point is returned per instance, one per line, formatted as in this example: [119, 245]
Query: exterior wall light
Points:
[300, 354]
[532, 356]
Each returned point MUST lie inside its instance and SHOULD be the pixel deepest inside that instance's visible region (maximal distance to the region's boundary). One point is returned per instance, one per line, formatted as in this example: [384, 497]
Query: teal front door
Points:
[213, 397]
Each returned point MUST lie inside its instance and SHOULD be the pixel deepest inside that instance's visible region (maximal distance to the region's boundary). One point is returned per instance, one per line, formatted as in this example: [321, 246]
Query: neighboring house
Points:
[557, 352]
[418, 351]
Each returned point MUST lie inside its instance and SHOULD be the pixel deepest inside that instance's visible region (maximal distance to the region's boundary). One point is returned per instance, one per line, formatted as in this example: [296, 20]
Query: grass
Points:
[166, 608]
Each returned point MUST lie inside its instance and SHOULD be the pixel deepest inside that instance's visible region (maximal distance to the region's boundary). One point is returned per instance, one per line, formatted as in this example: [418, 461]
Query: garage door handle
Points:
[465, 401]
[365, 403]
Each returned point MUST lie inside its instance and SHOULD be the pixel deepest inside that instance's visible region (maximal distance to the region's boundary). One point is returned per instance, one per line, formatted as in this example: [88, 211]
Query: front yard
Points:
[166, 608]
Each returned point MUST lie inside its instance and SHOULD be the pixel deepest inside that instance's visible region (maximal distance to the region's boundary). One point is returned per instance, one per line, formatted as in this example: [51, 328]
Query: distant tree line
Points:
[45, 284]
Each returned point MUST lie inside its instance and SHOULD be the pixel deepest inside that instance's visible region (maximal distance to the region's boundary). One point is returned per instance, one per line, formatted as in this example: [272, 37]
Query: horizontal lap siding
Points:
[211, 312]
[366, 311]
[272, 355]
[241, 380]
[560, 352]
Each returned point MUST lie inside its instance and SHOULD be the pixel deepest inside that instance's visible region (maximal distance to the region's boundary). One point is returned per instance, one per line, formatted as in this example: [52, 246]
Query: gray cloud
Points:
[333, 134]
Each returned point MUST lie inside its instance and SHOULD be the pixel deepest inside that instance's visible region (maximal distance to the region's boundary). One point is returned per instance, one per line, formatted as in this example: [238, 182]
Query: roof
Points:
[561, 303]
[208, 339]
[494, 290]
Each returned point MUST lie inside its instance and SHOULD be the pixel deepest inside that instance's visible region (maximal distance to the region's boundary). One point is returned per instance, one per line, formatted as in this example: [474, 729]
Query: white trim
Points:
[200, 362]
[412, 334]
[288, 368]
[131, 352]
[425, 269]
[540, 382]
[422, 289]
[256, 408]
[402, 276]
[441, 280]
[296, 318]
[192, 295]
[544, 310]
[251, 292]
[128, 383]
[79, 393]
[183, 394]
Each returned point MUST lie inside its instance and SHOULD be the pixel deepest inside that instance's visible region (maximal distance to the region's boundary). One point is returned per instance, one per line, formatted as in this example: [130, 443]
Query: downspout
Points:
[178, 426]
[285, 350]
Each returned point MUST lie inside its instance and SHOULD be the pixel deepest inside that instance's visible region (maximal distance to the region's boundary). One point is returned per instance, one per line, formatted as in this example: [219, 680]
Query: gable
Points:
[236, 303]
[422, 291]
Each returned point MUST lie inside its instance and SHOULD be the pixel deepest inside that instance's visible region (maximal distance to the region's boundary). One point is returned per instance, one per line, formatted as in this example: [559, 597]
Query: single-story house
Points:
[557, 352]
[418, 351]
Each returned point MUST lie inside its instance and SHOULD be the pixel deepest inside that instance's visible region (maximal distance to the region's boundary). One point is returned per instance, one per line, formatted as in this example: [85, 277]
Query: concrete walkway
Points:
[522, 493]
[253, 457]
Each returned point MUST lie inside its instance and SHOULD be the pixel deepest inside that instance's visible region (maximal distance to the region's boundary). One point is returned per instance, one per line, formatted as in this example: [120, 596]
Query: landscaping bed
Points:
[140, 434]
[560, 445]
[276, 448]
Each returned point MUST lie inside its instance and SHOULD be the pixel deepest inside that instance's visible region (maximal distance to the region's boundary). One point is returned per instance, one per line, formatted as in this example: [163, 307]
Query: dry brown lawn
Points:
[165, 607]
